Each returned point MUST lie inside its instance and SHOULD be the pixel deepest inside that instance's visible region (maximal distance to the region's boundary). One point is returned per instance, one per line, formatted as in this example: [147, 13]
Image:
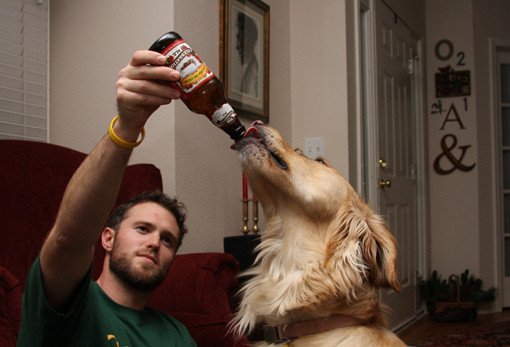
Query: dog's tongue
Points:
[252, 131]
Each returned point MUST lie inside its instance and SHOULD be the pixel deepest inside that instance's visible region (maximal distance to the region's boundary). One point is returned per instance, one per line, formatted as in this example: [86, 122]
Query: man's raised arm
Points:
[142, 86]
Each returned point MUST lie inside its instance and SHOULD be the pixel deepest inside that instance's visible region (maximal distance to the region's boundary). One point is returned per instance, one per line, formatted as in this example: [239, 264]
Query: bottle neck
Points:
[238, 132]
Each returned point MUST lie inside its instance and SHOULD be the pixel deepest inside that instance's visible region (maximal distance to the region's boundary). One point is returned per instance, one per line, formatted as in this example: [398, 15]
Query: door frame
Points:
[496, 46]
[368, 139]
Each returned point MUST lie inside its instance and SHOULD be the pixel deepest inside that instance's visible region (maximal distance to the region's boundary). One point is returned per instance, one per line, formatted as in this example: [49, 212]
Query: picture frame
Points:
[244, 56]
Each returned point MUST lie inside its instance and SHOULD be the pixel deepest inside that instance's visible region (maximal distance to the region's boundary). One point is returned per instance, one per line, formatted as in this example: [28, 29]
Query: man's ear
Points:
[107, 239]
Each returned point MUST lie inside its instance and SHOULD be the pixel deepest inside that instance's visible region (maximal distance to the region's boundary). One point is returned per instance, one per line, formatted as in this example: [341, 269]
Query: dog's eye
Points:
[320, 160]
[281, 163]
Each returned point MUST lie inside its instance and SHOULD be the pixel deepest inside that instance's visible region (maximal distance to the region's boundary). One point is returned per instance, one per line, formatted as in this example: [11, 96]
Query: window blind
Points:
[24, 69]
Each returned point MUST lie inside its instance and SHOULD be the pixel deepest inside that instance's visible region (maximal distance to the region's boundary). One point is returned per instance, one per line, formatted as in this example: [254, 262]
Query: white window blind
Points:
[23, 69]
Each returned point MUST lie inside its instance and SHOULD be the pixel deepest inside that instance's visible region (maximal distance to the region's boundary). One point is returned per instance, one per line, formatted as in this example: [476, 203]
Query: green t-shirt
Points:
[93, 320]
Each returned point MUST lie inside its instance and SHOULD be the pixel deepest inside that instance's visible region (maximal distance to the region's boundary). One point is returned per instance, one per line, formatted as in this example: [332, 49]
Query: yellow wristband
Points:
[123, 143]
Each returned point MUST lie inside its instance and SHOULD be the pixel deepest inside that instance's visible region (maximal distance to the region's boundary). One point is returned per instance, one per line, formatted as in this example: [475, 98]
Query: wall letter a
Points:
[456, 117]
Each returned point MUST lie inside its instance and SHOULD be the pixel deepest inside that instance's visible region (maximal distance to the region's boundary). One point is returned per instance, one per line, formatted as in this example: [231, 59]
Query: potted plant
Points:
[454, 299]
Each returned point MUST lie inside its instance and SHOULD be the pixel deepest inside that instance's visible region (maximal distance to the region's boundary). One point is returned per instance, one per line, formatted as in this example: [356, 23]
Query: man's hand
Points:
[143, 85]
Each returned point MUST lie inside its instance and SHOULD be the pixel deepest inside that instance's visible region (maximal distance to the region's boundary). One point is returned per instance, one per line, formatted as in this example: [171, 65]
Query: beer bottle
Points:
[200, 89]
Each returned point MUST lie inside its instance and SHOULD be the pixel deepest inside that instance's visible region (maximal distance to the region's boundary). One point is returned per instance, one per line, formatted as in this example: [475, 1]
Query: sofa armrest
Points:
[10, 307]
[199, 283]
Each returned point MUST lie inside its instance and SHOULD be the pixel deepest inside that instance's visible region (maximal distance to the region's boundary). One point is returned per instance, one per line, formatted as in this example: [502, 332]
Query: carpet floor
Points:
[496, 334]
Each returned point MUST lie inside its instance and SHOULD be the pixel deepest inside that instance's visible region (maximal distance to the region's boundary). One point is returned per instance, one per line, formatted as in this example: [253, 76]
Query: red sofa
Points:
[33, 177]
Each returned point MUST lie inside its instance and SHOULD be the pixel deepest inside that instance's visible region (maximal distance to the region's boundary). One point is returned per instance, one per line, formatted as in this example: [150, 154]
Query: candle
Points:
[255, 215]
[245, 188]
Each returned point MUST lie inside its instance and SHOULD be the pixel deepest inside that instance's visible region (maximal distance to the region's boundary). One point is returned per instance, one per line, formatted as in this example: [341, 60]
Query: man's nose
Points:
[153, 240]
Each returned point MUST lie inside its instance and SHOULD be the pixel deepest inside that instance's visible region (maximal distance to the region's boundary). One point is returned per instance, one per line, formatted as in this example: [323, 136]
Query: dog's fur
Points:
[324, 252]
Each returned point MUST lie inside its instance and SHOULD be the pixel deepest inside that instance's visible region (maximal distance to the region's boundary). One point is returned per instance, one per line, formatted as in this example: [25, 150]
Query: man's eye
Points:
[168, 241]
[142, 229]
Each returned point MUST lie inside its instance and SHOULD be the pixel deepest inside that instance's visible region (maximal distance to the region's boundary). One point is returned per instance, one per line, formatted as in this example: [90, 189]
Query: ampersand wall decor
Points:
[454, 163]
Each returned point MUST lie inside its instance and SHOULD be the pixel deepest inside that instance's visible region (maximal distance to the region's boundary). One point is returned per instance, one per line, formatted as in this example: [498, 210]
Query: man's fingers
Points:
[147, 57]
[149, 72]
[144, 85]
[162, 89]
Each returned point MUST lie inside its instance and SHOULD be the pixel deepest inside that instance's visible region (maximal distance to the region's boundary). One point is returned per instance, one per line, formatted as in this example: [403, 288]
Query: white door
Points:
[504, 112]
[396, 192]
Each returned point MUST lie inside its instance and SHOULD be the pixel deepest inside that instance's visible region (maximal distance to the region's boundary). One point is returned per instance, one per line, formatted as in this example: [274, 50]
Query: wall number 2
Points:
[461, 57]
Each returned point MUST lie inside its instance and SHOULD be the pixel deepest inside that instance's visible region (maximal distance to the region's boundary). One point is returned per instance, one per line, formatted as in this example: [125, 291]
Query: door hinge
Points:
[410, 66]
[413, 171]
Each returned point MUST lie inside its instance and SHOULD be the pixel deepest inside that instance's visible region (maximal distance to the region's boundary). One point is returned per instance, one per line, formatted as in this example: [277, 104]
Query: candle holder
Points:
[245, 228]
[255, 227]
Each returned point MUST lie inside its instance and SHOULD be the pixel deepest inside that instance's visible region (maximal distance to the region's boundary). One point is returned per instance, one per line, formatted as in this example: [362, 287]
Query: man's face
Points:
[144, 246]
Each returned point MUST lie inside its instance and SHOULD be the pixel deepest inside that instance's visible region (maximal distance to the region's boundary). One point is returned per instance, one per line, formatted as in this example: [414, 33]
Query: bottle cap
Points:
[238, 132]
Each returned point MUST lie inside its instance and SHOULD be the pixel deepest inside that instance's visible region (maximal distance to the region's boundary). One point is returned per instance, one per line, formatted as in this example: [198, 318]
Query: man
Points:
[247, 36]
[61, 305]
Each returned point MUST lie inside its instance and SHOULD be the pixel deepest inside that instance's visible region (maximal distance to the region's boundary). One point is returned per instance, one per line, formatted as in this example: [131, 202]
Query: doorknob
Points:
[383, 164]
[384, 183]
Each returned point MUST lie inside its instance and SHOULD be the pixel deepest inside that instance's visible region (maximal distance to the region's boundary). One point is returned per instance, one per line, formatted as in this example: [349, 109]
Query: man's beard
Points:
[120, 266]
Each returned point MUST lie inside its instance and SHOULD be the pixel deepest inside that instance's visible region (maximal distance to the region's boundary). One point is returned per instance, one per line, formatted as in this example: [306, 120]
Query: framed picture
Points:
[244, 55]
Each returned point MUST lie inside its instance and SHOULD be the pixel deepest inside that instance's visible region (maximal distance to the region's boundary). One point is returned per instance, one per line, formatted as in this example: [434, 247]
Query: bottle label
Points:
[194, 73]
[224, 116]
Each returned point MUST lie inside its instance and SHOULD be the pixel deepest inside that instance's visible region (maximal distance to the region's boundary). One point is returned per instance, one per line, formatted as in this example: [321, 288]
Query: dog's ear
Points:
[362, 244]
[380, 252]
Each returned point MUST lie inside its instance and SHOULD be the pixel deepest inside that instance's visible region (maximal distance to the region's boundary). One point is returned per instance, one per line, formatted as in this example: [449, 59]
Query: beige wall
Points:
[208, 176]
[451, 222]
[196, 161]
[306, 100]
[208, 173]
[90, 41]
[311, 94]
[318, 77]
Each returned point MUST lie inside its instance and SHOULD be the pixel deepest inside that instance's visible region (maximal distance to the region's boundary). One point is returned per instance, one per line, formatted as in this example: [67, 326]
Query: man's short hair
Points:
[172, 205]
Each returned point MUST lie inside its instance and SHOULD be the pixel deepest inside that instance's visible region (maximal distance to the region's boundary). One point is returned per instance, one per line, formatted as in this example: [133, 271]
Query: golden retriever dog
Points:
[322, 258]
